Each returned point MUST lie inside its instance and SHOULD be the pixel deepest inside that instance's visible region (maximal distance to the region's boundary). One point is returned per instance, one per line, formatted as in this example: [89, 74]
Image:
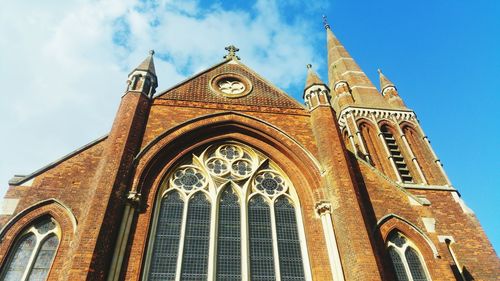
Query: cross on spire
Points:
[325, 22]
[231, 49]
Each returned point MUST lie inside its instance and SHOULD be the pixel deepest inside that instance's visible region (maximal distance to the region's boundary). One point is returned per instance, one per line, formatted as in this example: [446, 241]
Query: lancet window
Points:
[407, 261]
[33, 252]
[217, 208]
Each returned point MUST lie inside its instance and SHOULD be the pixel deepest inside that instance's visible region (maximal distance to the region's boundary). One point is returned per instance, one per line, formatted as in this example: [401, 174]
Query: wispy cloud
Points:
[64, 64]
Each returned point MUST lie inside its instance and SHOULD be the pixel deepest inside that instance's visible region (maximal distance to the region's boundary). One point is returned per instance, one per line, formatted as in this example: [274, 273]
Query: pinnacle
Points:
[384, 81]
[312, 77]
[148, 64]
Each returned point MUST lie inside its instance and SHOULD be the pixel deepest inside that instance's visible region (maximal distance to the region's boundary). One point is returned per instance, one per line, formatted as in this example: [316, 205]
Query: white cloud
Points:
[64, 64]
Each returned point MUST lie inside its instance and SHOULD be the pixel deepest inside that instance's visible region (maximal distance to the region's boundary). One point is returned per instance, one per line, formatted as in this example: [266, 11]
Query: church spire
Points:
[389, 91]
[344, 71]
[143, 77]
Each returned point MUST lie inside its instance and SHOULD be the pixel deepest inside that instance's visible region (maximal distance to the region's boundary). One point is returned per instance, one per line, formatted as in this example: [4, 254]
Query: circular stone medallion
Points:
[231, 85]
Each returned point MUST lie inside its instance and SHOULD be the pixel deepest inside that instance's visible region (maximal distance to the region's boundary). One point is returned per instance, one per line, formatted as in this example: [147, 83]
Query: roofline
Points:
[190, 78]
[221, 63]
[18, 180]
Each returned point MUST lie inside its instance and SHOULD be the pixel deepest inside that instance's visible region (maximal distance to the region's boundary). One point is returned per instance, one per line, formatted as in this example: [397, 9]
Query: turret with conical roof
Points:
[143, 78]
[389, 91]
[316, 92]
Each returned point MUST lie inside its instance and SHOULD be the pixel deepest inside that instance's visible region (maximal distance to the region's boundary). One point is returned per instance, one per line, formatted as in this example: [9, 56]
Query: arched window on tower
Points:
[407, 261]
[227, 212]
[423, 154]
[397, 156]
[372, 144]
[33, 252]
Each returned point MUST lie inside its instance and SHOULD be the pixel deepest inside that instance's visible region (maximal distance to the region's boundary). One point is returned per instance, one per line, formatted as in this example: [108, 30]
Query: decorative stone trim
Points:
[323, 208]
[398, 115]
[231, 85]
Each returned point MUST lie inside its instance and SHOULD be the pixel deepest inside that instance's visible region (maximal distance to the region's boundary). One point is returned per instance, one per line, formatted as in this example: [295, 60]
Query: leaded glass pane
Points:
[261, 241]
[45, 226]
[197, 238]
[166, 244]
[415, 265]
[399, 267]
[290, 257]
[19, 258]
[229, 237]
[44, 259]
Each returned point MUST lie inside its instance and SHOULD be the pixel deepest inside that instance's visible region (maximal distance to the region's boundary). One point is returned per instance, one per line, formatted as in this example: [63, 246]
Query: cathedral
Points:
[226, 177]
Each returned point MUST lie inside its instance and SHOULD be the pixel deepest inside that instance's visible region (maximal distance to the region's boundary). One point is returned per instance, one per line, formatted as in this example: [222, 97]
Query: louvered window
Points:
[33, 253]
[207, 201]
[396, 154]
[406, 260]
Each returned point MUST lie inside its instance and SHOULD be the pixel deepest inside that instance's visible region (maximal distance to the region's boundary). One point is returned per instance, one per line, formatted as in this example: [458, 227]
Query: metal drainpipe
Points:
[455, 260]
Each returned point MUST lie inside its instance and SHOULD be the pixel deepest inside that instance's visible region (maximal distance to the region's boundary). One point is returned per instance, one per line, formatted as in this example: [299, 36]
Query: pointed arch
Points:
[17, 227]
[390, 222]
[422, 152]
[400, 156]
[373, 146]
[163, 154]
[411, 251]
[220, 226]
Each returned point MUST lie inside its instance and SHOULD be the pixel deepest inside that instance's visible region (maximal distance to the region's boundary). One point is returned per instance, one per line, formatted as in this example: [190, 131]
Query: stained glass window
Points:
[261, 241]
[195, 256]
[166, 244]
[399, 267]
[226, 174]
[44, 259]
[32, 255]
[291, 265]
[405, 259]
[229, 237]
[415, 265]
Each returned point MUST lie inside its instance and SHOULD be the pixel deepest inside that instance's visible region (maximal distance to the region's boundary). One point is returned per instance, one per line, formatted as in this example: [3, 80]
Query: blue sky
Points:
[64, 64]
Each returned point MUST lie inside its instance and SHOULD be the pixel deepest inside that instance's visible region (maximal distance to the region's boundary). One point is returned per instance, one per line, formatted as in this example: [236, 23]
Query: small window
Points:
[33, 252]
[406, 260]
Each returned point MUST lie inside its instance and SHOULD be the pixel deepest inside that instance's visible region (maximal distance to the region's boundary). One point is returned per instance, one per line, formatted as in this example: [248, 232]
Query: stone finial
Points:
[325, 22]
[231, 49]
[152, 52]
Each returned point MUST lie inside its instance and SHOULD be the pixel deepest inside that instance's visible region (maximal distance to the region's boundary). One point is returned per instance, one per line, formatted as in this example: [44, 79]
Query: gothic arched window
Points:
[227, 213]
[33, 252]
[407, 261]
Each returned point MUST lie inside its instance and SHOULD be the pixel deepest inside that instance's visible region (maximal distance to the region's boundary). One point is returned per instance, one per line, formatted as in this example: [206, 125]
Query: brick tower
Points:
[226, 177]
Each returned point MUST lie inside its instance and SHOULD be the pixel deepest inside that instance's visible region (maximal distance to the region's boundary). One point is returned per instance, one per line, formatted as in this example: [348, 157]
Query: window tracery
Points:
[406, 260]
[220, 192]
[33, 252]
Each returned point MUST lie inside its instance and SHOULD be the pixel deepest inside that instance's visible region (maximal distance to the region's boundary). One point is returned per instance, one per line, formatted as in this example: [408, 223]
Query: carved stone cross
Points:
[231, 52]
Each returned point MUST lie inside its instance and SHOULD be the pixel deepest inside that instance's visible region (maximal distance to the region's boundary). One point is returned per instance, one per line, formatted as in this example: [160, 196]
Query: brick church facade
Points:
[226, 177]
